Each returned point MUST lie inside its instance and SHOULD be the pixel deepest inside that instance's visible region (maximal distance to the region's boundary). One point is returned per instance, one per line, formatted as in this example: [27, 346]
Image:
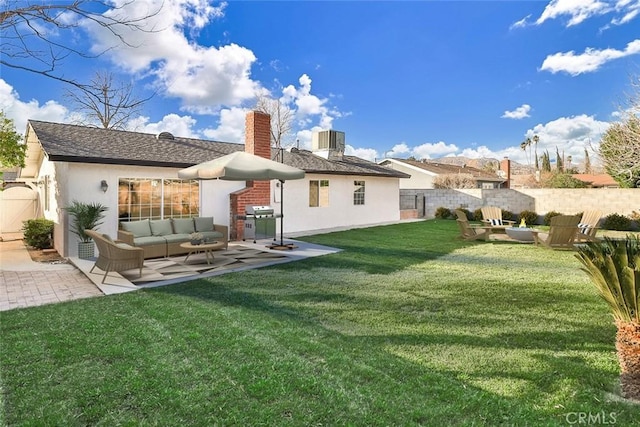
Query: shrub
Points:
[616, 222]
[530, 217]
[443, 213]
[508, 215]
[549, 215]
[38, 233]
[477, 215]
[467, 212]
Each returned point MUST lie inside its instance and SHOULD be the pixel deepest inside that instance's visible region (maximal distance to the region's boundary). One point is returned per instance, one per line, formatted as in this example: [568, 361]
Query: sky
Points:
[422, 79]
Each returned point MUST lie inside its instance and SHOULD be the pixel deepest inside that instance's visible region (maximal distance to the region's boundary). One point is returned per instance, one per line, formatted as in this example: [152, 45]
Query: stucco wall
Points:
[81, 181]
[569, 201]
[420, 178]
[382, 201]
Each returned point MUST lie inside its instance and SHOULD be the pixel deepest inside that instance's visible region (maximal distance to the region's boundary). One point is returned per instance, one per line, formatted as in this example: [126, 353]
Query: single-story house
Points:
[136, 176]
[425, 174]
[599, 180]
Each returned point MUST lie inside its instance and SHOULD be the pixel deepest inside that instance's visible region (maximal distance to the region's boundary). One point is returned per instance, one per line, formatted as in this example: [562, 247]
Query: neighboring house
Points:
[424, 174]
[601, 180]
[136, 176]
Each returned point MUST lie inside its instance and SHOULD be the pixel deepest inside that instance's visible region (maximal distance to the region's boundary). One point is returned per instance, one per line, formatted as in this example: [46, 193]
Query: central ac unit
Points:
[328, 140]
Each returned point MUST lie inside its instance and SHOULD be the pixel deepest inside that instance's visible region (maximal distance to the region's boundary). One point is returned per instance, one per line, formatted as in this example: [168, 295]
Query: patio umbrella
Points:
[243, 166]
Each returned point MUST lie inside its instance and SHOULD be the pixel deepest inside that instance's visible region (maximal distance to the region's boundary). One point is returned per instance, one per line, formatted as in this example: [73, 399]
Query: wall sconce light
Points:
[104, 186]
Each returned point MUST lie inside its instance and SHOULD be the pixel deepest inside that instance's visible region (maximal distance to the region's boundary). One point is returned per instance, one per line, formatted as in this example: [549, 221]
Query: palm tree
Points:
[614, 268]
[524, 145]
[536, 139]
[85, 216]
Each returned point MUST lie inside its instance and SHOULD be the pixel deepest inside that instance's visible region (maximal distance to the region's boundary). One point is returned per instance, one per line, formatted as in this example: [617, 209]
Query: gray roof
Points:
[448, 169]
[72, 143]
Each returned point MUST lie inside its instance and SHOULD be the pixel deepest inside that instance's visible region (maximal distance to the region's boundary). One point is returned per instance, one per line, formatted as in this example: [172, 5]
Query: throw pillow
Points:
[495, 221]
[584, 228]
[161, 227]
[204, 223]
[183, 226]
[138, 228]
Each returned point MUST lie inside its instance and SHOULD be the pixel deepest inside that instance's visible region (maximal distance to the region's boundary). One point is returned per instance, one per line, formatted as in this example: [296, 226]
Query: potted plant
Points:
[614, 268]
[85, 216]
[196, 238]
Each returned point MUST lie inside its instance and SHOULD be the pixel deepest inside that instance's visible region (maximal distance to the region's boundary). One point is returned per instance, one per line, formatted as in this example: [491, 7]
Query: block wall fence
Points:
[540, 200]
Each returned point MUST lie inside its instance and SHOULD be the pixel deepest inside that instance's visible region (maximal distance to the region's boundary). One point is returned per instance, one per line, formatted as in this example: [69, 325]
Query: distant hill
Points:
[481, 163]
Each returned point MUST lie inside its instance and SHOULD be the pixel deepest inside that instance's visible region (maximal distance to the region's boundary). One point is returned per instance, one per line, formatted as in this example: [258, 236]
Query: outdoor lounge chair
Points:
[588, 226]
[562, 232]
[492, 215]
[114, 255]
[471, 232]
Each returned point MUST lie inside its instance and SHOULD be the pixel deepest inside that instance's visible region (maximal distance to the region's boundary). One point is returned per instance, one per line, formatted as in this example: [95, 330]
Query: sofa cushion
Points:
[137, 228]
[204, 223]
[161, 227]
[177, 238]
[149, 241]
[183, 226]
[210, 236]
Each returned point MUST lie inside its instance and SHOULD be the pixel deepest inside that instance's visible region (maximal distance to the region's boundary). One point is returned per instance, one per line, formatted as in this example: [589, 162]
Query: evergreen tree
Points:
[587, 162]
[559, 163]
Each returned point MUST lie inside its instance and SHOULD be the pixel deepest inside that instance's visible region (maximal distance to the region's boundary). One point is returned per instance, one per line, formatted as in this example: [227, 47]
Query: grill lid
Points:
[259, 210]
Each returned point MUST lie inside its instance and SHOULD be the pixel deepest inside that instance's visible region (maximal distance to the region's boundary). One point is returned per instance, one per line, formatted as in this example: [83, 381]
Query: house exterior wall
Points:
[382, 201]
[419, 178]
[82, 183]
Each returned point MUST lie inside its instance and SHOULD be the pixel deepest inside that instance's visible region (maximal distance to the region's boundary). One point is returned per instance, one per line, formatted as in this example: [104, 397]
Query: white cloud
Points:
[364, 153]
[590, 60]
[570, 134]
[178, 125]
[20, 111]
[203, 78]
[308, 107]
[231, 126]
[519, 113]
[521, 23]
[576, 10]
[430, 150]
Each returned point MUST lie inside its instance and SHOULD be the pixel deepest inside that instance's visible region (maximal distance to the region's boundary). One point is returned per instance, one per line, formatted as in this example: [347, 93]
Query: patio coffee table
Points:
[207, 248]
[521, 234]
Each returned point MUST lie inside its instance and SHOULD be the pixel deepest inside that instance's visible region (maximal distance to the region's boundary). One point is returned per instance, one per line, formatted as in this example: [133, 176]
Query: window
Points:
[142, 198]
[319, 193]
[487, 185]
[358, 193]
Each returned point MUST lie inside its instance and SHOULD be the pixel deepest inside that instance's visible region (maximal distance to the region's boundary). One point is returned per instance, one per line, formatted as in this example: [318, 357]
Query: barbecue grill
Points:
[259, 223]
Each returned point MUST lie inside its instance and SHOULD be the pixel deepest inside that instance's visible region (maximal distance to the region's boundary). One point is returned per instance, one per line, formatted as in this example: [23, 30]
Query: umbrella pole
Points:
[282, 246]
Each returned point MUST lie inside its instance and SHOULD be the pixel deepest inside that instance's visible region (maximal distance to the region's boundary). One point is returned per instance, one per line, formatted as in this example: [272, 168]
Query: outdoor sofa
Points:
[162, 237]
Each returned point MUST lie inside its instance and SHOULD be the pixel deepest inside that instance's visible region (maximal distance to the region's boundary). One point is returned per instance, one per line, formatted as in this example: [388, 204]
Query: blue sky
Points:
[416, 78]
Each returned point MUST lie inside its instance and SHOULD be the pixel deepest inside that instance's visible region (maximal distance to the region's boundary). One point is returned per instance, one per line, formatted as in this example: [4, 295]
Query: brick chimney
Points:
[505, 167]
[258, 142]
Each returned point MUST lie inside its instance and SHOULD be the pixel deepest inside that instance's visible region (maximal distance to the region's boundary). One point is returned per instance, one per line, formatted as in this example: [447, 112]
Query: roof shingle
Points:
[73, 143]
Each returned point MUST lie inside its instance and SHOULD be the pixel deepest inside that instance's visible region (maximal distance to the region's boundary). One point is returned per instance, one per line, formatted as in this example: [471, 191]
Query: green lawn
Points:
[406, 326]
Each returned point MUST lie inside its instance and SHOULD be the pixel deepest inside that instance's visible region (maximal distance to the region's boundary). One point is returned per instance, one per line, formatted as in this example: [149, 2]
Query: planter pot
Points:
[86, 250]
[196, 241]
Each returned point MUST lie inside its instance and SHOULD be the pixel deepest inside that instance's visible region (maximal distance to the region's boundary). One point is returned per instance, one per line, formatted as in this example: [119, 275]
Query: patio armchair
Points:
[471, 232]
[492, 215]
[562, 233]
[588, 226]
[114, 255]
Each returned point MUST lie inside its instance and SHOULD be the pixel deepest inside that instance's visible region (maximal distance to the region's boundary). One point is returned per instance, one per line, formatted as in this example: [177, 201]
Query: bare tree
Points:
[106, 103]
[620, 144]
[281, 118]
[28, 29]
